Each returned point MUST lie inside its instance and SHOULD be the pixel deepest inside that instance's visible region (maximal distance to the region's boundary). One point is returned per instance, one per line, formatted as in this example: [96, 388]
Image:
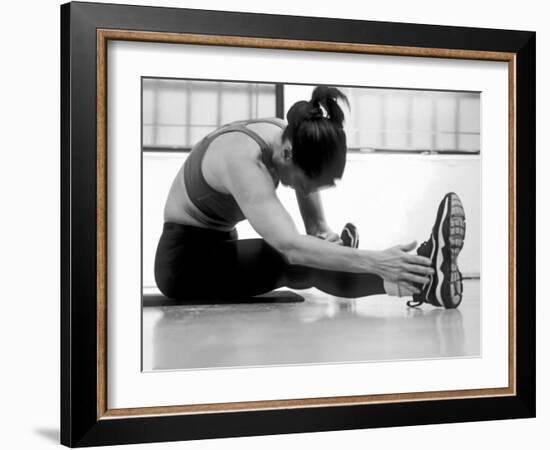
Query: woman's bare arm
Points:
[313, 215]
[250, 184]
[311, 210]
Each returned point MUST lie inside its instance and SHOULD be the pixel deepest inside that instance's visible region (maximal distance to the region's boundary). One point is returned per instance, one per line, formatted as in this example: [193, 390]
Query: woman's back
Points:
[197, 197]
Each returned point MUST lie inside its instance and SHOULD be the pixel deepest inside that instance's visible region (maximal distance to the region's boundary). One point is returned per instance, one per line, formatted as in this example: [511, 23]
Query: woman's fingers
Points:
[416, 259]
[411, 277]
[330, 237]
[407, 247]
[423, 270]
[396, 265]
[408, 289]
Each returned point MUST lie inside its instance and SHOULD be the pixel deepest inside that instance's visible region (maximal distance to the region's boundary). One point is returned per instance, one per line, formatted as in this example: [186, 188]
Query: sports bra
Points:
[212, 208]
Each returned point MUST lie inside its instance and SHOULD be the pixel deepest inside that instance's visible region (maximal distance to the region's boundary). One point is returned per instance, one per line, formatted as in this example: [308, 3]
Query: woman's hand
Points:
[396, 265]
[329, 235]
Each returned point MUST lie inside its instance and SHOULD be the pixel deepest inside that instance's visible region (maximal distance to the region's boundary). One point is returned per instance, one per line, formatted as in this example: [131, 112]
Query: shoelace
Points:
[414, 303]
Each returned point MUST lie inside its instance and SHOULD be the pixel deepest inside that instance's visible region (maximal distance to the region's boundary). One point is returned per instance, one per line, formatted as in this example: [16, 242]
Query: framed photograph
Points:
[279, 224]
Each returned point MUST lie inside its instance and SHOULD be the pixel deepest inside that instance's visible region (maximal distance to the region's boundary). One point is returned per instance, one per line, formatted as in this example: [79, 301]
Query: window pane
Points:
[413, 120]
[178, 113]
[171, 109]
[469, 114]
[204, 103]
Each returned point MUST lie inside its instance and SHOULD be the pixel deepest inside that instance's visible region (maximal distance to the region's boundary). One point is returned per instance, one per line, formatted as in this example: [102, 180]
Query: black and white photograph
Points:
[300, 224]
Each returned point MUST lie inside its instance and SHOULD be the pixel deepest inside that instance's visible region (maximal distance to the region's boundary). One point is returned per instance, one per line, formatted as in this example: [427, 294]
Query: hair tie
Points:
[319, 112]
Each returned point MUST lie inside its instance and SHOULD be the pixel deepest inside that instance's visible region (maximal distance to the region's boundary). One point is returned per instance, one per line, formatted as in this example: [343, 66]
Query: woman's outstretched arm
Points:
[250, 184]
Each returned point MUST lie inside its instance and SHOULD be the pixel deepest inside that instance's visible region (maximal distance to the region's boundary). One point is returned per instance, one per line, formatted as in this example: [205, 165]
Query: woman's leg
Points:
[256, 267]
[337, 283]
[193, 264]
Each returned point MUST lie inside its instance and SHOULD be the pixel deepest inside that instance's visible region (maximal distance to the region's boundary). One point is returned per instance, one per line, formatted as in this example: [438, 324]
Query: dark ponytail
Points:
[316, 132]
[325, 97]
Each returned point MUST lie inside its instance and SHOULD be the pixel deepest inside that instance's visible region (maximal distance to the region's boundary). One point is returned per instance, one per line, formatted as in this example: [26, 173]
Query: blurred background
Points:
[406, 149]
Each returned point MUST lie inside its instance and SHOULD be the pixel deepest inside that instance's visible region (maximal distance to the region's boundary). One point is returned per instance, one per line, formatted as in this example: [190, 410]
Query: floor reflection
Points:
[322, 329]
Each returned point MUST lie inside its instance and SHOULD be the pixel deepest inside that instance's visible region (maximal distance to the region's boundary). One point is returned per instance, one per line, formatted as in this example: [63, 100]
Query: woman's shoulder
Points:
[250, 143]
[230, 156]
[232, 146]
[273, 120]
[267, 119]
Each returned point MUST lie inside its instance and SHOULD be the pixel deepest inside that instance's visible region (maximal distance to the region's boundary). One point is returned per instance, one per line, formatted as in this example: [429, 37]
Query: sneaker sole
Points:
[451, 231]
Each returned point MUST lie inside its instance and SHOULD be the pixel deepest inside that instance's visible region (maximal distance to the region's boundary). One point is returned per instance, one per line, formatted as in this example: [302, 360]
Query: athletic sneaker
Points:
[443, 246]
[350, 236]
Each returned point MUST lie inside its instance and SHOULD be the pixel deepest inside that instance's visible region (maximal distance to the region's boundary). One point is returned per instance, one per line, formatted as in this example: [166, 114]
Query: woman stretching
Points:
[232, 174]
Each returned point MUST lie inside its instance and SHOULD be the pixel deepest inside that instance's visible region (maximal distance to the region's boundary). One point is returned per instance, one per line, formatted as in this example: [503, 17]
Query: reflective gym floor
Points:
[307, 328]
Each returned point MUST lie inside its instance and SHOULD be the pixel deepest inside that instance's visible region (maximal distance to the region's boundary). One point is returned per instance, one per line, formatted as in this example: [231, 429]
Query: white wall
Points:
[29, 230]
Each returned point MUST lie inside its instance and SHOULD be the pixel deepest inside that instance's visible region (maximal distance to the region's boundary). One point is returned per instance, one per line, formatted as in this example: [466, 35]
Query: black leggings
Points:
[199, 263]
